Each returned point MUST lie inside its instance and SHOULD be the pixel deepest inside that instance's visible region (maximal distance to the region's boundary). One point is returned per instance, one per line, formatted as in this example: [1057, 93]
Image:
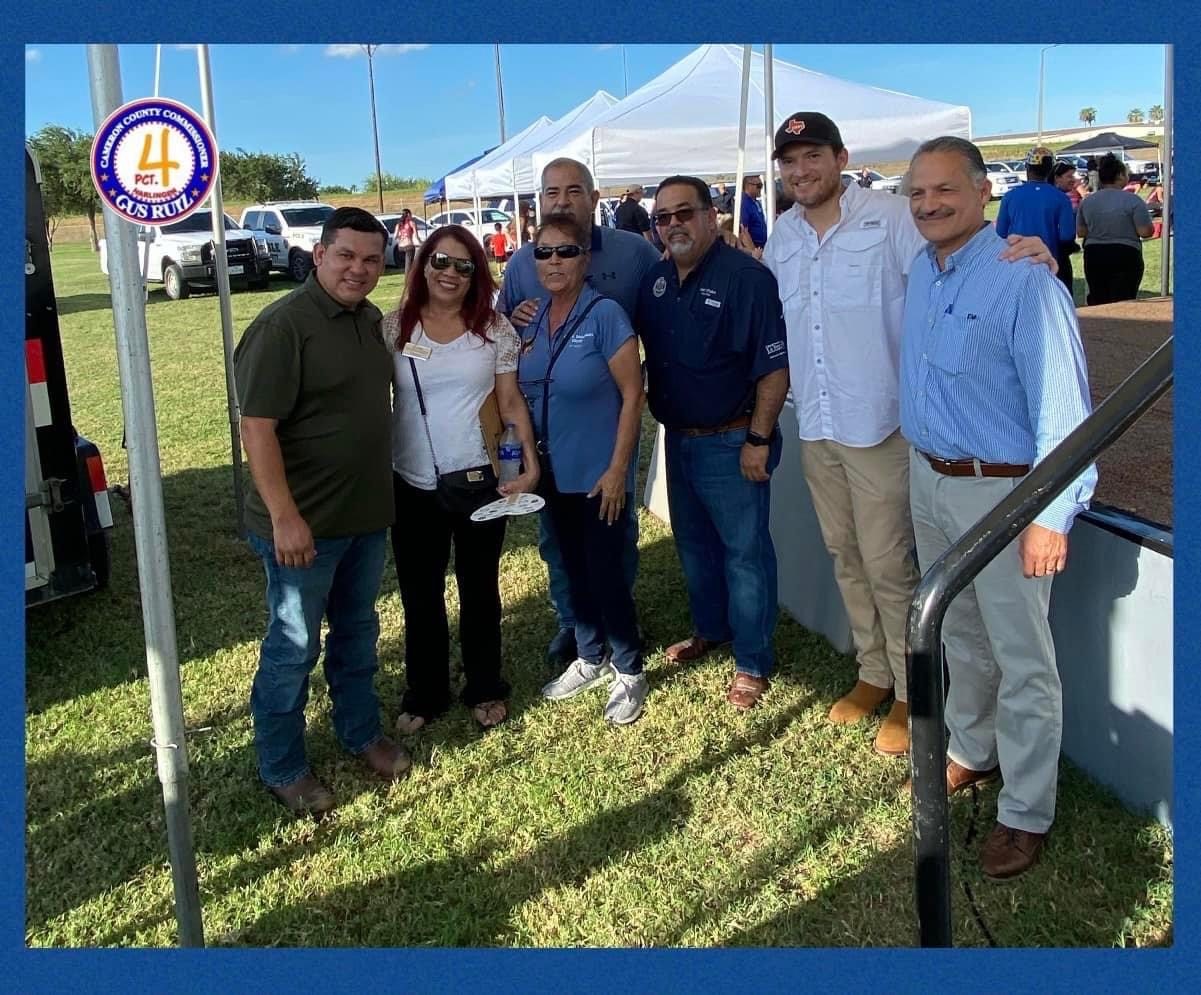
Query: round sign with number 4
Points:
[154, 161]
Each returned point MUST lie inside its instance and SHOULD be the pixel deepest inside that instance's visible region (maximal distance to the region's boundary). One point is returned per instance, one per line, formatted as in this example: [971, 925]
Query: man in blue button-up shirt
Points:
[717, 373]
[992, 379]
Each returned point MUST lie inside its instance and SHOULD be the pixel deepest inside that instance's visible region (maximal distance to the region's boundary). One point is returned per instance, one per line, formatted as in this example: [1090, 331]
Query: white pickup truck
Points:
[293, 226]
[181, 255]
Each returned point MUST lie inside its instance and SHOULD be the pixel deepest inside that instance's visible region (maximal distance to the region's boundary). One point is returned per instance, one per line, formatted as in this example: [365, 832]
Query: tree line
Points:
[64, 153]
[1134, 116]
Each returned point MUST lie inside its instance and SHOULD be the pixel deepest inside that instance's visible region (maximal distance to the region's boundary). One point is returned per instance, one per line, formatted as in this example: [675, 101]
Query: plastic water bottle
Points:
[509, 455]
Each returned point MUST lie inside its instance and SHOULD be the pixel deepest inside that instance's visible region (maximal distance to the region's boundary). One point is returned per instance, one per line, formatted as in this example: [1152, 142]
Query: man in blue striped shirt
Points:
[992, 379]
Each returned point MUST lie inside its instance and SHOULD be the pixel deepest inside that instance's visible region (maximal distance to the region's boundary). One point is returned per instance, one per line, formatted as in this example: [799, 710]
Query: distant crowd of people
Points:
[932, 363]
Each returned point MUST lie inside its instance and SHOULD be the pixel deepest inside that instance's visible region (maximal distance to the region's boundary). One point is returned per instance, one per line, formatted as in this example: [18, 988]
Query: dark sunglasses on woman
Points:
[440, 260]
[562, 251]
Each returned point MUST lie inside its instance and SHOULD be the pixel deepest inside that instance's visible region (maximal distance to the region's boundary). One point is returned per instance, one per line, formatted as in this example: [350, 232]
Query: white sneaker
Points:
[579, 676]
[626, 698]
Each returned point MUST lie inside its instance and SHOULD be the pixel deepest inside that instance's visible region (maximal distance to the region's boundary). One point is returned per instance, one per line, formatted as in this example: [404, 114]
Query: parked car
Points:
[393, 255]
[1003, 179]
[180, 255]
[297, 227]
[1017, 165]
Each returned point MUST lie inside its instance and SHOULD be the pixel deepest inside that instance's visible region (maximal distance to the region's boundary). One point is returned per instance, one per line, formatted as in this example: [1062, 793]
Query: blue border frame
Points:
[227, 21]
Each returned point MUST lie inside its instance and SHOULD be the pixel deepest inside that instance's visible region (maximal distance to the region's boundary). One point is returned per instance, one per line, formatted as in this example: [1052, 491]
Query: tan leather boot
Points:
[861, 701]
[893, 738]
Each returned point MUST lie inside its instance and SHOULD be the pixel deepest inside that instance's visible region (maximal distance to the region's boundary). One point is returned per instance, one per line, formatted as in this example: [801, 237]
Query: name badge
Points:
[414, 351]
[712, 302]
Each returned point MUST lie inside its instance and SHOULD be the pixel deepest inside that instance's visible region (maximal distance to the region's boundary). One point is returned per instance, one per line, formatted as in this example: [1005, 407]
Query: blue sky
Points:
[437, 104]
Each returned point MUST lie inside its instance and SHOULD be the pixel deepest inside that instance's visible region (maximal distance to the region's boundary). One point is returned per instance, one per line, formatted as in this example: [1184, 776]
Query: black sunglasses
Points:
[562, 251]
[683, 215]
[440, 260]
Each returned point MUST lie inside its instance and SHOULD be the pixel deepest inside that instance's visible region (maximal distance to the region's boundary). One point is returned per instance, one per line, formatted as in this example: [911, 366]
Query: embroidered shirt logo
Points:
[871, 223]
[660, 287]
[774, 348]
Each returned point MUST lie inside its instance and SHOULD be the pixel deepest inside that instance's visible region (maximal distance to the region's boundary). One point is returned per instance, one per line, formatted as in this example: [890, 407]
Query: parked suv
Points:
[181, 255]
[296, 225]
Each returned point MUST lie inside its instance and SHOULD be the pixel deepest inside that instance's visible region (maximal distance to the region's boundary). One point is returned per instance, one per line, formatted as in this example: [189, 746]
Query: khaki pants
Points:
[861, 496]
[1005, 702]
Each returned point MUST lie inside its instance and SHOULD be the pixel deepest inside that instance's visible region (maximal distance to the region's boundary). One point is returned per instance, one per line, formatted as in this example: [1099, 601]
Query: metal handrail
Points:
[949, 575]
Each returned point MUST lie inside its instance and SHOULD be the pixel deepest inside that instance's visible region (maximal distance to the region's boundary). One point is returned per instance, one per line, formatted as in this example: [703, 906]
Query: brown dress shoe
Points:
[858, 703]
[1009, 852]
[746, 690]
[307, 796]
[692, 648]
[960, 778]
[893, 738]
[387, 759]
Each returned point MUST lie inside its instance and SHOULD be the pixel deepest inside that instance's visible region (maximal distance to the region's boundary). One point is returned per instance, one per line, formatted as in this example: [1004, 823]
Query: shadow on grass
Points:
[77, 303]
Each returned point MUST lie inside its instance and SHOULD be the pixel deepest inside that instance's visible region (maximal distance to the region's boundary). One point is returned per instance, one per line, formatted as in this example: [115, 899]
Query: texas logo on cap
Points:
[795, 126]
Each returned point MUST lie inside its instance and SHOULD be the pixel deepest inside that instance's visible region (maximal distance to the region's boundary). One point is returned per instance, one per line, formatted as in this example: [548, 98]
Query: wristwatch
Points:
[757, 440]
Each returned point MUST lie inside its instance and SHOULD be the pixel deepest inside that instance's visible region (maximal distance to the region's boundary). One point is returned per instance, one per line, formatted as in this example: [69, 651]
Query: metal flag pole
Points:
[769, 114]
[379, 175]
[500, 93]
[738, 172]
[150, 531]
[1165, 170]
[221, 261]
[158, 63]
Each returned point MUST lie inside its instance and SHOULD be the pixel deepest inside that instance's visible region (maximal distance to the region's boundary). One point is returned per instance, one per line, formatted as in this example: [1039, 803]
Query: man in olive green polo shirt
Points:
[314, 381]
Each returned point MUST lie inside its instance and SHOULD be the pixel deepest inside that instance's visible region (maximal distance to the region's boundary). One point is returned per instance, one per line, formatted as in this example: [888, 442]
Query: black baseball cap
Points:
[809, 128]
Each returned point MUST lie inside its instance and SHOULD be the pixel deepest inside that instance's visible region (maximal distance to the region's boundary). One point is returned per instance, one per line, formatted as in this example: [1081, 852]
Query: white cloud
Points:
[33, 55]
[290, 49]
[352, 51]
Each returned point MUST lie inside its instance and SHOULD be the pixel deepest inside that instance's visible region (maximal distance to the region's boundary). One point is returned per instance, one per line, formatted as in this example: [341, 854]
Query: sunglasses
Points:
[685, 214]
[562, 251]
[440, 260]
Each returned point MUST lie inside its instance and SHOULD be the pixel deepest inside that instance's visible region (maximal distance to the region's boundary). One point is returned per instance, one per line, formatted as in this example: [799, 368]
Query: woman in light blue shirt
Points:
[579, 372]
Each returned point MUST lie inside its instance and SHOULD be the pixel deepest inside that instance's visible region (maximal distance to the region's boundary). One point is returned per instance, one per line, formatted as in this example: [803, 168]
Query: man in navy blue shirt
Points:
[1038, 207]
[618, 260]
[752, 214]
[717, 373]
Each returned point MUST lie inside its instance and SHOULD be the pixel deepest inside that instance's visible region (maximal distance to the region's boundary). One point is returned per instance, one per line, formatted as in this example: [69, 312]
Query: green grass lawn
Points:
[696, 826]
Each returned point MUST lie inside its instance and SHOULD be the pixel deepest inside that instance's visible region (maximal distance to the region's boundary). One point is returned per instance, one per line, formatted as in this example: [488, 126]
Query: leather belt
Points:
[729, 426]
[974, 468]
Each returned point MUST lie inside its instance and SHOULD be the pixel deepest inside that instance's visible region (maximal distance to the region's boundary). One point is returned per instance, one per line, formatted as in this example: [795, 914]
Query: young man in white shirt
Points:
[841, 257]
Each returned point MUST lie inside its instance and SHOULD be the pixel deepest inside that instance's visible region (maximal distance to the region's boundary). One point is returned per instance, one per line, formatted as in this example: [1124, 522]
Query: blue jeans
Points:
[341, 585]
[548, 548]
[720, 523]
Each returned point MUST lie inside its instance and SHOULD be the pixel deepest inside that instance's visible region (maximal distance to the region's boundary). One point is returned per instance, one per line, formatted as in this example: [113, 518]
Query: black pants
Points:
[421, 541]
[1113, 272]
[1065, 271]
[409, 252]
[594, 559]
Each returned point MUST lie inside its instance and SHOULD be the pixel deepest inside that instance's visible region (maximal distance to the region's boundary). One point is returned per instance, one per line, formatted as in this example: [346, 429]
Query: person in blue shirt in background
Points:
[1038, 207]
[753, 218]
[712, 326]
[580, 374]
[993, 378]
[616, 262]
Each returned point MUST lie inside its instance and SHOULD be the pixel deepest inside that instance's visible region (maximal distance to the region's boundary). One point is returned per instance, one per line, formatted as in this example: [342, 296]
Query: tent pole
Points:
[150, 528]
[769, 114]
[221, 260]
[1165, 169]
[738, 172]
[516, 205]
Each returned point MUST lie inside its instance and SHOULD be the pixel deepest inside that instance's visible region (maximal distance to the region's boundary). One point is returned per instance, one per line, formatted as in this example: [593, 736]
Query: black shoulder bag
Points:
[543, 443]
[459, 492]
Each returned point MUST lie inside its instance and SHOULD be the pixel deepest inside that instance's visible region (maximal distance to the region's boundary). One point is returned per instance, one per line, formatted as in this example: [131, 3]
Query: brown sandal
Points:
[746, 690]
[485, 714]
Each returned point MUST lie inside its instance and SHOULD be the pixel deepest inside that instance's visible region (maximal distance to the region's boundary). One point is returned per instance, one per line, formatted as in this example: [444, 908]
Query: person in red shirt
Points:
[501, 246]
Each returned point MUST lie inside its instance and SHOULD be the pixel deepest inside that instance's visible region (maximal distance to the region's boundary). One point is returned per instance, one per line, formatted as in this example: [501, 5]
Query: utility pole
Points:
[500, 93]
[1042, 59]
[379, 175]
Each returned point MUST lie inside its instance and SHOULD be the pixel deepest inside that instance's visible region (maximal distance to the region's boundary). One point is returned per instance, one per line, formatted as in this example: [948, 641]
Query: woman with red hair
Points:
[450, 351]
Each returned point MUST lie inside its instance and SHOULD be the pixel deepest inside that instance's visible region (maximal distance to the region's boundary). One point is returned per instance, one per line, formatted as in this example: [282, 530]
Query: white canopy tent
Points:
[462, 185]
[686, 120]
